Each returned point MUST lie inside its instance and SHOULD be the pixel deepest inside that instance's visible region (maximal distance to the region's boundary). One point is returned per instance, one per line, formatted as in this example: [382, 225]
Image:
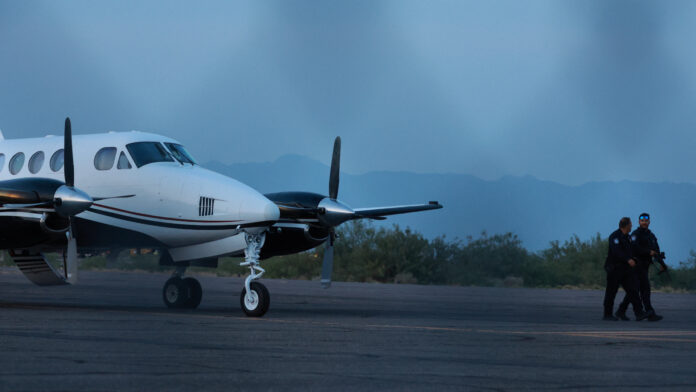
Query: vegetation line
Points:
[365, 253]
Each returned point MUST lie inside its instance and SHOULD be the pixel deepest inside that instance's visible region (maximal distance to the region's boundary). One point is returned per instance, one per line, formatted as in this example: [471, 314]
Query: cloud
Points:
[570, 92]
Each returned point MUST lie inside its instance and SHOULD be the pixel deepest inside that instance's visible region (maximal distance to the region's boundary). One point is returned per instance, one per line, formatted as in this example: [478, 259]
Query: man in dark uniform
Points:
[620, 271]
[645, 246]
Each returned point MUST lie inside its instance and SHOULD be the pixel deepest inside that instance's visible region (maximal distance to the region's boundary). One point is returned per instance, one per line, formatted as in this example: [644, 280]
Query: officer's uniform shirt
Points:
[643, 242]
[620, 249]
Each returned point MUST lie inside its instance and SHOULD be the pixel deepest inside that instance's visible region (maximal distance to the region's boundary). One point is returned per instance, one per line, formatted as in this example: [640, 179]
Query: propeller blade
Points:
[112, 197]
[69, 164]
[70, 259]
[335, 169]
[327, 264]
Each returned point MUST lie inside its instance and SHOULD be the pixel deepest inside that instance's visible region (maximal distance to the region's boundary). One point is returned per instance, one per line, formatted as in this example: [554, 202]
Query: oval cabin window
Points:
[36, 162]
[105, 158]
[57, 160]
[17, 162]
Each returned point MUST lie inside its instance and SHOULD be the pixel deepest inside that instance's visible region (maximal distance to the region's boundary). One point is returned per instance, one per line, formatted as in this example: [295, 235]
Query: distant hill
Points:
[538, 211]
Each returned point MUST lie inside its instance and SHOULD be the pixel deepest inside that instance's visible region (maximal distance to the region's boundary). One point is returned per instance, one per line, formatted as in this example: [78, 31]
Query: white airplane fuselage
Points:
[193, 212]
[140, 190]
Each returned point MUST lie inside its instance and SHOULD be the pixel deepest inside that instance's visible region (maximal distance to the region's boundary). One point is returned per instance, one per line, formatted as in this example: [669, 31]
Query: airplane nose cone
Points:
[271, 211]
[259, 209]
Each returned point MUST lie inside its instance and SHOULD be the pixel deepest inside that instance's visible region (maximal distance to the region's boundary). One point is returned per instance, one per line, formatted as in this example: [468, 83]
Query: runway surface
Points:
[112, 332]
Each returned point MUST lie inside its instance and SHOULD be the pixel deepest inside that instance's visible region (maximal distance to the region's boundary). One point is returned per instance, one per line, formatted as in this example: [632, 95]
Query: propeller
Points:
[327, 212]
[51, 196]
[69, 201]
[332, 213]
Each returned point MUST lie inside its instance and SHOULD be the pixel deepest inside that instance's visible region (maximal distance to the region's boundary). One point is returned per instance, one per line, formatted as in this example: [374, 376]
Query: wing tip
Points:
[435, 204]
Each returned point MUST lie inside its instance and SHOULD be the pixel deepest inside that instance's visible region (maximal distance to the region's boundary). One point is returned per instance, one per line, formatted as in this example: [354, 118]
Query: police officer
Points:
[620, 271]
[645, 246]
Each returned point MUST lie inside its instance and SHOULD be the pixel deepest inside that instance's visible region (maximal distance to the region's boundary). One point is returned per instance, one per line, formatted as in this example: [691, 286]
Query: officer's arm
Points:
[617, 251]
[657, 246]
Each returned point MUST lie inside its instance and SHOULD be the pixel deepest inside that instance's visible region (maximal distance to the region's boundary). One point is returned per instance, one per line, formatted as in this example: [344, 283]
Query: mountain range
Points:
[537, 211]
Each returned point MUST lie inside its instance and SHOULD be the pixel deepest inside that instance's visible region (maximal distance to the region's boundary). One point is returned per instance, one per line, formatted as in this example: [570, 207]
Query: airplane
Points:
[142, 190]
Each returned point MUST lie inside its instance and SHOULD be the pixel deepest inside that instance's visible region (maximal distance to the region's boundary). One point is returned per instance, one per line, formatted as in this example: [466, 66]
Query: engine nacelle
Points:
[288, 238]
[54, 223]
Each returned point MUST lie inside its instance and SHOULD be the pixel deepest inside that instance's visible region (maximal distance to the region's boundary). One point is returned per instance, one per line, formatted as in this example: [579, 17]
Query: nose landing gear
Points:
[186, 293]
[182, 293]
[255, 298]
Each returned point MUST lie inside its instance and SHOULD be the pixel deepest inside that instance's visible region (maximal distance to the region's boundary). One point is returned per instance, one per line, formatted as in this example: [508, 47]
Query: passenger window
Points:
[105, 158]
[2, 161]
[36, 161]
[57, 160]
[123, 162]
[16, 163]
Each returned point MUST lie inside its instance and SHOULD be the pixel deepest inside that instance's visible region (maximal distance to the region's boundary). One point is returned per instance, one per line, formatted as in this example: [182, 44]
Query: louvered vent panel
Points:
[206, 206]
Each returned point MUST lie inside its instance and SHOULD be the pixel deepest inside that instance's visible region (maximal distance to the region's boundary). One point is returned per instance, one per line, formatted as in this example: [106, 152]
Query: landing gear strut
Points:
[182, 293]
[255, 298]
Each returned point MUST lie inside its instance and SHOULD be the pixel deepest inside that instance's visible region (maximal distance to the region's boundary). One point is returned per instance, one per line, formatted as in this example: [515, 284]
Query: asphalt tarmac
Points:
[112, 332]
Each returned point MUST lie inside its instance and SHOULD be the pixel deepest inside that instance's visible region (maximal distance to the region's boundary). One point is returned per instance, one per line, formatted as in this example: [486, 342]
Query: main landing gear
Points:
[255, 298]
[182, 293]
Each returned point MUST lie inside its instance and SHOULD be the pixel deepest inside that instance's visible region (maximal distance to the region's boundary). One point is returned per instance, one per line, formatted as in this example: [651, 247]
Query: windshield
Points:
[180, 153]
[144, 153]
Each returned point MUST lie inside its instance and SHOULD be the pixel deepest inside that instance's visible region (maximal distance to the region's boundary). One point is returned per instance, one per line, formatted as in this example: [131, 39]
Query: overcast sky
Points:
[569, 91]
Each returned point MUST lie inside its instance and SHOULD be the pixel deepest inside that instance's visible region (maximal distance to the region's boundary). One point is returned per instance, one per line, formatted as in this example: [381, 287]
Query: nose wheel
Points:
[179, 293]
[256, 301]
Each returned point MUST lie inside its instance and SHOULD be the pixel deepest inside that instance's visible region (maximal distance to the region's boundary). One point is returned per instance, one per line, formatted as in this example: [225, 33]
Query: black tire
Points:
[195, 292]
[175, 293]
[262, 303]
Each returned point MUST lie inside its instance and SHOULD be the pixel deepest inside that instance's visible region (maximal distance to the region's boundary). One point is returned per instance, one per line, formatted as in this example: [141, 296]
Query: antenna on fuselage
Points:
[2, 137]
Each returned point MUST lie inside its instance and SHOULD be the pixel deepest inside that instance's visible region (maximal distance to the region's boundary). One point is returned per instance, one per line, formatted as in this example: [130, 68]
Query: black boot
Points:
[654, 317]
[621, 315]
[642, 315]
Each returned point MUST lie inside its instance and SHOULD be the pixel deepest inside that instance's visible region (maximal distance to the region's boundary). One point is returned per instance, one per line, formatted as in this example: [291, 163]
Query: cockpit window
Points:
[123, 162]
[144, 153]
[180, 153]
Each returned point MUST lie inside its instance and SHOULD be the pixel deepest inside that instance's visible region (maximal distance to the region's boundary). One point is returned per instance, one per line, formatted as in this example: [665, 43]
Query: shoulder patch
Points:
[616, 241]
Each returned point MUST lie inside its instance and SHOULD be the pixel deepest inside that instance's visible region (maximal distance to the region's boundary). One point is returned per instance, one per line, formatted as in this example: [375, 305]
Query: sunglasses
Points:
[644, 217]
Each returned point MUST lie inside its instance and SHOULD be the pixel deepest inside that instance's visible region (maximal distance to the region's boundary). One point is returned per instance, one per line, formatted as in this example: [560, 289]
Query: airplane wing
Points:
[381, 212]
